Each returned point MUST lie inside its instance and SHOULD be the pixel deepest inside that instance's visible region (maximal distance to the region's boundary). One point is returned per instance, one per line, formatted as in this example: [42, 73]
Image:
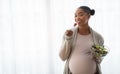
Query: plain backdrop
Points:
[31, 33]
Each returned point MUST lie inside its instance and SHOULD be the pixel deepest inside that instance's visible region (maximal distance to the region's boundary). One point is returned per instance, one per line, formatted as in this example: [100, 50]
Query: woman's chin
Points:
[80, 24]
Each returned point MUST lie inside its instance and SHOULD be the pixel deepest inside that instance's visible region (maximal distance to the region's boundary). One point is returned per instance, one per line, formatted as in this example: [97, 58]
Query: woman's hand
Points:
[69, 32]
[97, 59]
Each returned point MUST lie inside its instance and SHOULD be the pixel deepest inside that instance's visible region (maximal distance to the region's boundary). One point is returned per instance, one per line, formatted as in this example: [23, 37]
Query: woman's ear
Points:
[88, 16]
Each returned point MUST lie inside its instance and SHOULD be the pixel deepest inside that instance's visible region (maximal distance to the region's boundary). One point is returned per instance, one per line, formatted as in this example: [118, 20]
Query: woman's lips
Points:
[78, 21]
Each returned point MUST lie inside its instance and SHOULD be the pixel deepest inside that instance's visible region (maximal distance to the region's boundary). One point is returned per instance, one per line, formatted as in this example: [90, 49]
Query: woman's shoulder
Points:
[99, 36]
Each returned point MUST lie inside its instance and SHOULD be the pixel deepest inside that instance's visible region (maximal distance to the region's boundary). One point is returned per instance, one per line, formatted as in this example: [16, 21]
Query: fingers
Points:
[69, 32]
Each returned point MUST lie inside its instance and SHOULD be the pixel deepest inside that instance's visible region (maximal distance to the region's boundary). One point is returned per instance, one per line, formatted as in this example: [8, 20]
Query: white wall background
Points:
[31, 33]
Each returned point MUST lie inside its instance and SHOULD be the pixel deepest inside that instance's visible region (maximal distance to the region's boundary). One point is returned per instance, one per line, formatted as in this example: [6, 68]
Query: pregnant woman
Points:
[77, 43]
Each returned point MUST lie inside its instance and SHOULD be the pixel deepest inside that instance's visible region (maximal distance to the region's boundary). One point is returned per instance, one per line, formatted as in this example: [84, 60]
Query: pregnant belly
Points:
[82, 64]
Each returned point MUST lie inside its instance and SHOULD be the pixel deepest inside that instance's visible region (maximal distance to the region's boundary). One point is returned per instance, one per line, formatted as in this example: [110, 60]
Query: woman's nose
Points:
[78, 18]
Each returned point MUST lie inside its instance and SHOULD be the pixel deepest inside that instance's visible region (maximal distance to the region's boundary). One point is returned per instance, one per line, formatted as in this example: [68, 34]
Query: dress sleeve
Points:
[65, 47]
[101, 42]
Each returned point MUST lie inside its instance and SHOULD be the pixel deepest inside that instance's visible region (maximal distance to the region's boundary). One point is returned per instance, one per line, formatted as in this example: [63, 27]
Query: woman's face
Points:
[81, 17]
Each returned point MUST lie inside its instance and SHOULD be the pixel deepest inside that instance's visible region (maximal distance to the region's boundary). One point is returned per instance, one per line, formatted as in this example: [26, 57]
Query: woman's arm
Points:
[66, 45]
[101, 42]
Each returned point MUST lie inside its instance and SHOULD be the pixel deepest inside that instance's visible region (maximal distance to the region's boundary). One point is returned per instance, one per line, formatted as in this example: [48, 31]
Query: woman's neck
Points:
[84, 30]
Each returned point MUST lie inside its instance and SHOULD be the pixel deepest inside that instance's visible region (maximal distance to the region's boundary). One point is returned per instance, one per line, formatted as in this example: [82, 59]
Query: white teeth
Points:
[78, 21]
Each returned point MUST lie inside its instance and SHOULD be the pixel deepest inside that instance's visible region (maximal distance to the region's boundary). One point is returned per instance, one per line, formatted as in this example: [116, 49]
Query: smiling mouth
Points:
[78, 21]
